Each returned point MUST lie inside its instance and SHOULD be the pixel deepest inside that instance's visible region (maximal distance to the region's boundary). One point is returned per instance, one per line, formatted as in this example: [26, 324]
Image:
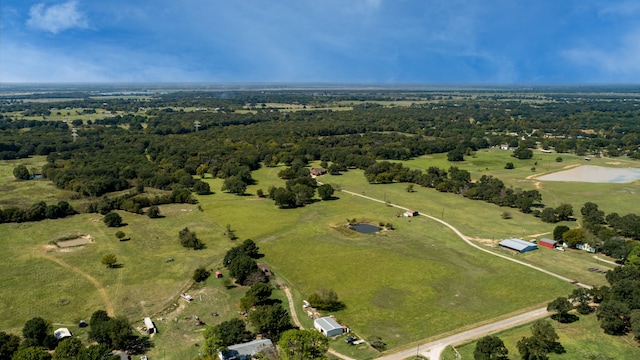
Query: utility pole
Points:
[197, 125]
[74, 134]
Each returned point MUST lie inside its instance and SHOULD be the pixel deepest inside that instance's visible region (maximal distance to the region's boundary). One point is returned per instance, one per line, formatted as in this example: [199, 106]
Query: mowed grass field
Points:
[581, 340]
[404, 285]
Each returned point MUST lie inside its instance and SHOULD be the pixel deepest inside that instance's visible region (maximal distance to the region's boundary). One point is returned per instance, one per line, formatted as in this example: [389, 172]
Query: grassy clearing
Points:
[582, 339]
[23, 193]
[403, 285]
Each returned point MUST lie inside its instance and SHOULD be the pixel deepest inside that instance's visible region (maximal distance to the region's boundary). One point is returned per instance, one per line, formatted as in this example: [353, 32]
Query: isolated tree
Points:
[8, 345]
[112, 219]
[153, 212]
[509, 166]
[561, 306]
[559, 159]
[201, 274]
[21, 172]
[490, 348]
[120, 235]
[201, 188]
[234, 185]
[522, 153]
[110, 260]
[37, 329]
[456, 154]
[297, 344]
[325, 191]
[189, 239]
[325, 299]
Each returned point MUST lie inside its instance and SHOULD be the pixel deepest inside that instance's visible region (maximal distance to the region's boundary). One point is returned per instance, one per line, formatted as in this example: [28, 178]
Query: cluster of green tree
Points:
[619, 311]
[326, 299]
[134, 202]
[457, 181]
[564, 212]
[36, 212]
[189, 239]
[266, 316]
[38, 343]
[240, 260]
[297, 344]
[299, 189]
[230, 145]
[542, 342]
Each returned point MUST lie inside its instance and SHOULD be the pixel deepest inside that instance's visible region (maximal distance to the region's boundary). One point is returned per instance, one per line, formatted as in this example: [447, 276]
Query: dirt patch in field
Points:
[614, 162]
[79, 241]
[490, 242]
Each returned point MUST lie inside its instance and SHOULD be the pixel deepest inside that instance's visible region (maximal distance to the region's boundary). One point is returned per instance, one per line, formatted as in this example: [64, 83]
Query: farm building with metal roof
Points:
[328, 326]
[518, 245]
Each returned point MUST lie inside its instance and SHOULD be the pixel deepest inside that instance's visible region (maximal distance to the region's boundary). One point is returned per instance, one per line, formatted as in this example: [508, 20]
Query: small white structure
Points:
[151, 328]
[62, 333]
[328, 326]
[186, 296]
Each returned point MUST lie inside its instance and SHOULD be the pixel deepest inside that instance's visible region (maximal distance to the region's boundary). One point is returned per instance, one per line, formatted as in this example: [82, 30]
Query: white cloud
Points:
[30, 63]
[619, 63]
[56, 18]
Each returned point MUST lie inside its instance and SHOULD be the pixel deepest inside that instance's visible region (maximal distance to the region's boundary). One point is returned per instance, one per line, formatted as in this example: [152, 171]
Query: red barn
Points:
[548, 243]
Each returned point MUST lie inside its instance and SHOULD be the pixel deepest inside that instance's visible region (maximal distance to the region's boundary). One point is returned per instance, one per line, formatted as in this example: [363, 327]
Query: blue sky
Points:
[332, 41]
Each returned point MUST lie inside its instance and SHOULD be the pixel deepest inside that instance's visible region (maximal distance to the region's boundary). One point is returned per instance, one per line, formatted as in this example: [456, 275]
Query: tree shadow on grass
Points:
[565, 318]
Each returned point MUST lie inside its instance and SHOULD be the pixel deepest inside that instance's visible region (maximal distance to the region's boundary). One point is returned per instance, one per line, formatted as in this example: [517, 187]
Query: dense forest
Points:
[161, 140]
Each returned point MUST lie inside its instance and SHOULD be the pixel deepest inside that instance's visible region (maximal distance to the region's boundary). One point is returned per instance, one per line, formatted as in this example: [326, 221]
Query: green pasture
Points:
[620, 198]
[406, 285]
[23, 193]
[581, 340]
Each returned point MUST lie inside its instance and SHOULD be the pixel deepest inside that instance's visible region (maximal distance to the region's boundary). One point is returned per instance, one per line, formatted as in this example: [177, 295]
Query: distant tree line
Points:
[36, 212]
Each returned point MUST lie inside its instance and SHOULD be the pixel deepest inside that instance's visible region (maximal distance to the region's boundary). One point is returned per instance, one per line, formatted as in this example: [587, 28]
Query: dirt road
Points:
[101, 290]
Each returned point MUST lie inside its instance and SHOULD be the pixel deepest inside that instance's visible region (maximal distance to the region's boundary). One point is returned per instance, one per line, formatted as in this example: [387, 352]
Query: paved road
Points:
[433, 350]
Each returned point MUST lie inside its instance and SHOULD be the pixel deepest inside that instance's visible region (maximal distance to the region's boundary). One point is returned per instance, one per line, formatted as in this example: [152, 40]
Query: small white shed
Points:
[151, 328]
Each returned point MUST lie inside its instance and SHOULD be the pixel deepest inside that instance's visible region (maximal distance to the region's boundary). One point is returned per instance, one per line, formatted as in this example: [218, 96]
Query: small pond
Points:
[365, 228]
[595, 174]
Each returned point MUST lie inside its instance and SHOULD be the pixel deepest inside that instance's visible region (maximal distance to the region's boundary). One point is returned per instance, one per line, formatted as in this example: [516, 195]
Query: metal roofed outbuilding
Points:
[327, 326]
[518, 245]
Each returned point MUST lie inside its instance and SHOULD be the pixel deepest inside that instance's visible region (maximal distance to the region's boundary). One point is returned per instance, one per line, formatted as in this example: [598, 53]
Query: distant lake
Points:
[594, 174]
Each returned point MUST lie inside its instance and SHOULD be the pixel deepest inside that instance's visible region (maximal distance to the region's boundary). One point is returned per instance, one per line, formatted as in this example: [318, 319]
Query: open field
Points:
[582, 339]
[404, 285]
